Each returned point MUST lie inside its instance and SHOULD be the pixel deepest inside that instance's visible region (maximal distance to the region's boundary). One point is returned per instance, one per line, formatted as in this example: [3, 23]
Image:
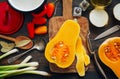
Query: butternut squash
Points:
[61, 49]
[109, 54]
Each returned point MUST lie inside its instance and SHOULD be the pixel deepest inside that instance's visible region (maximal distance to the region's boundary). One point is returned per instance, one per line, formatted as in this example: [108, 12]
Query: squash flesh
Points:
[86, 57]
[68, 30]
[82, 57]
[109, 54]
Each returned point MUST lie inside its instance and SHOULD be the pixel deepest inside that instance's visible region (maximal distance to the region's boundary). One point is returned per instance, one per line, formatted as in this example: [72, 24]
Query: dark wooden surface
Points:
[92, 73]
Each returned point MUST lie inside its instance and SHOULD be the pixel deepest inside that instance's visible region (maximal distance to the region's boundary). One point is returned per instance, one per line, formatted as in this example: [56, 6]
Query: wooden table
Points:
[92, 73]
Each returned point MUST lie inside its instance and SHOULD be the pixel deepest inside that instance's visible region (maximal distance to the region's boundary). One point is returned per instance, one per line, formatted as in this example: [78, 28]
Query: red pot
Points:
[10, 20]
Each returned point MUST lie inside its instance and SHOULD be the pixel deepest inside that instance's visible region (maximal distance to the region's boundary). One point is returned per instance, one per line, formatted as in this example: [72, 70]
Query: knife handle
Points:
[99, 67]
[94, 56]
[89, 44]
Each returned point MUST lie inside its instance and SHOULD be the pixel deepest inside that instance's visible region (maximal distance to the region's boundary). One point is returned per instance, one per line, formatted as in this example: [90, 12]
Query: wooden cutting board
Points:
[54, 25]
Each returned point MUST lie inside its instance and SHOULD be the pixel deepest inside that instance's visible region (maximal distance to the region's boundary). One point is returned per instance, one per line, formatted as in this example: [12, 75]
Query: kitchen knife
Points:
[108, 32]
[93, 55]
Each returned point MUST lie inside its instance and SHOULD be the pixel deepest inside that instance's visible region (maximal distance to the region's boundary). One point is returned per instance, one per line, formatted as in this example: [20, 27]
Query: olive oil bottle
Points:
[101, 4]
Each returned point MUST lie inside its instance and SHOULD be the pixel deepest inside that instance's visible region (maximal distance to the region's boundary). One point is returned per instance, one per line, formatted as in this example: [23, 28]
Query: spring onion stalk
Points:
[10, 67]
[4, 74]
[8, 53]
[36, 72]
[27, 68]
[19, 70]
[43, 73]
[26, 59]
[22, 68]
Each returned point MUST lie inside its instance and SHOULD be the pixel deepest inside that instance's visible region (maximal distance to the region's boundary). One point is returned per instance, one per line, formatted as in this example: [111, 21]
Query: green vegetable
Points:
[8, 53]
[4, 74]
[18, 69]
[26, 59]
[16, 66]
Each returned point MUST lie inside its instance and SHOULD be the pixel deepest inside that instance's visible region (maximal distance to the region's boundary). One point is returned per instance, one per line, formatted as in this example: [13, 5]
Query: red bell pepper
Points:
[50, 9]
[30, 27]
[39, 20]
[41, 14]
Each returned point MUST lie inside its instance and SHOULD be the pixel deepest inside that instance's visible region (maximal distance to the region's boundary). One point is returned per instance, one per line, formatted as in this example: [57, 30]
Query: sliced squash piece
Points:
[61, 49]
[82, 58]
[86, 56]
[80, 67]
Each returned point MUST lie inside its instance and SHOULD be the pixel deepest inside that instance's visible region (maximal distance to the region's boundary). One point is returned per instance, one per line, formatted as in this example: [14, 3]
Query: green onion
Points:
[38, 73]
[10, 67]
[8, 53]
[26, 59]
[18, 69]
[15, 72]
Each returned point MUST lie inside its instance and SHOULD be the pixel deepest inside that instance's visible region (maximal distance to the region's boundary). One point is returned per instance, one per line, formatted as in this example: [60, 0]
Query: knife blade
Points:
[108, 32]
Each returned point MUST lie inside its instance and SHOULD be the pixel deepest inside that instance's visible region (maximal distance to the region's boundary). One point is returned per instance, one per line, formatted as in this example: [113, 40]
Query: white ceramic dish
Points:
[98, 18]
[116, 11]
[26, 5]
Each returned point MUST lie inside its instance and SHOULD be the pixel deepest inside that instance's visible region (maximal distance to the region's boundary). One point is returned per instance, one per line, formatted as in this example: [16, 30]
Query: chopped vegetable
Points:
[50, 9]
[39, 20]
[80, 58]
[30, 27]
[41, 14]
[41, 30]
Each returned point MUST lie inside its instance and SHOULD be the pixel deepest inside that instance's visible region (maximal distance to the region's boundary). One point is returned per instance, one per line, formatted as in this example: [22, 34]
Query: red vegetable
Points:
[50, 9]
[10, 20]
[39, 20]
[41, 14]
[30, 27]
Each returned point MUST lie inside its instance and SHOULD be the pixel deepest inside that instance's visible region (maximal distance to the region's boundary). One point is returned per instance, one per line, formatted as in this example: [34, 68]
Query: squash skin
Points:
[68, 33]
[82, 58]
[114, 65]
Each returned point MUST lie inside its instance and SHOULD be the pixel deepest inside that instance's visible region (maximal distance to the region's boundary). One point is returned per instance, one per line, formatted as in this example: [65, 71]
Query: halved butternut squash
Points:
[109, 54]
[61, 49]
